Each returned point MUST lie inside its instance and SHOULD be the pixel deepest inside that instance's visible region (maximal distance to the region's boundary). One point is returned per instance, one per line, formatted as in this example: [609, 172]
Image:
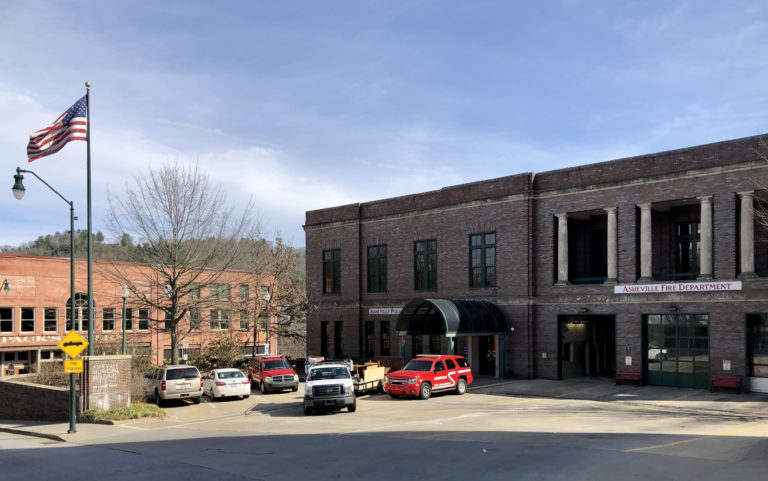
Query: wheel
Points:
[461, 386]
[252, 382]
[295, 388]
[307, 410]
[211, 395]
[425, 390]
[197, 400]
[158, 401]
[246, 396]
[263, 388]
[352, 407]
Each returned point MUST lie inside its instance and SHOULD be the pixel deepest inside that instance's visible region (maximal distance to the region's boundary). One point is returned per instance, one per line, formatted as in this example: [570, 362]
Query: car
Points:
[329, 387]
[272, 373]
[176, 381]
[428, 373]
[226, 382]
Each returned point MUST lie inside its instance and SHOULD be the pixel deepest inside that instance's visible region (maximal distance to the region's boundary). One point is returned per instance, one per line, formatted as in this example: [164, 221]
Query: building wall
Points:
[521, 210]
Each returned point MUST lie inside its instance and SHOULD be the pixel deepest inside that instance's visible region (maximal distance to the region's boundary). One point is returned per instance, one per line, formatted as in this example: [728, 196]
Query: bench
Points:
[628, 375]
[732, 382]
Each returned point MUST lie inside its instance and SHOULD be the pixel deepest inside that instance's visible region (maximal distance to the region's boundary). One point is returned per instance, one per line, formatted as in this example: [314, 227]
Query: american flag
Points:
[71, 125]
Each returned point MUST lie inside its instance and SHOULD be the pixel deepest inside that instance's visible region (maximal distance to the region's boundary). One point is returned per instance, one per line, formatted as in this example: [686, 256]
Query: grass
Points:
[134, 411]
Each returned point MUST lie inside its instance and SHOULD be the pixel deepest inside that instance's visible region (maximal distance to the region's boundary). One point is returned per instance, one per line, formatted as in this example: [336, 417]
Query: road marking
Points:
[699, 438]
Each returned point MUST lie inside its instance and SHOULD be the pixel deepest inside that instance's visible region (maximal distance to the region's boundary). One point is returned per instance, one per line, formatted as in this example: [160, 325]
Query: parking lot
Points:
[539, 429]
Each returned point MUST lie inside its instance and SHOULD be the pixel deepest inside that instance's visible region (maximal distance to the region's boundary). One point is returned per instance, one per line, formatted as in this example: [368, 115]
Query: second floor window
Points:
[482, 260]
[377, 269]
[51, 319]
[219, 320]
[128, 319]
[194, 319]
[332, 271]
[27, 319]
[108, 319]
[6, 319]
[143, 319]
[244, 320]
[687, 247]
[425, 265]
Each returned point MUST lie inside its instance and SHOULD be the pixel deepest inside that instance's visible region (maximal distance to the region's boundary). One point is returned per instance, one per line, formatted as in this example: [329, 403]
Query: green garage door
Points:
[677, 349]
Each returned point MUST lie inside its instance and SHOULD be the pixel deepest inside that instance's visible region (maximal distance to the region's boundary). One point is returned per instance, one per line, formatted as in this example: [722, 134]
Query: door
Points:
[757, 351]
[677, 350]
[487, 364]
[441, 378]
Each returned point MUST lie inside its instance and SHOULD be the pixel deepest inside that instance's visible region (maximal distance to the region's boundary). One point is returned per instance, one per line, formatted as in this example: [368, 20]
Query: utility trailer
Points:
[369, 378]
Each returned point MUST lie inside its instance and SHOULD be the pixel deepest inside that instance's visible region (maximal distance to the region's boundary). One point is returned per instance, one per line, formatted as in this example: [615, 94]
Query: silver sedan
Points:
[221, 383]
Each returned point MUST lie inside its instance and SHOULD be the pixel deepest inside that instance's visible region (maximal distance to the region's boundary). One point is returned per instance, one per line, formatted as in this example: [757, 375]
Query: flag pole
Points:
[90, 246]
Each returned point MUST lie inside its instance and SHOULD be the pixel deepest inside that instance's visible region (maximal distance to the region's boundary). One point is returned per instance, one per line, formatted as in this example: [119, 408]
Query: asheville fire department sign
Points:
[677, 287]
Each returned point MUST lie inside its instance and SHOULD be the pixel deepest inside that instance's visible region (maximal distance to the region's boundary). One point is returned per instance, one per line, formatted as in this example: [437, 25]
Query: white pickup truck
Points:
[329, 387]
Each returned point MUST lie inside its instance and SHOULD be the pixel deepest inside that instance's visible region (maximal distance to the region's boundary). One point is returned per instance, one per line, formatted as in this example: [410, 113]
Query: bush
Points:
[52, 374]
[134, 411]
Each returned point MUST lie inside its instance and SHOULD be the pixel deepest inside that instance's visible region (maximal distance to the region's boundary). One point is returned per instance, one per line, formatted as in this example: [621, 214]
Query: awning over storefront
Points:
[450, 318]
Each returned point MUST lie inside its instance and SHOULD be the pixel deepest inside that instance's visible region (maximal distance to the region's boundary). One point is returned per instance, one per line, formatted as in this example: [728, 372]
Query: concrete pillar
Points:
[645, 243]
[562, 250]
[747, 236]
[612, 275]
[705, 239]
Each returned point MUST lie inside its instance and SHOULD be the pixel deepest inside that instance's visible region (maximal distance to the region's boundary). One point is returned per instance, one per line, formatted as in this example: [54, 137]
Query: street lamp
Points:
[18, 192]
[124, 292]
[266, 297]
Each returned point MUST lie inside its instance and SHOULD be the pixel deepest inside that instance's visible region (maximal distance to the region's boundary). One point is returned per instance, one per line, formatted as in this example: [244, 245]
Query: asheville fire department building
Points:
[656, 263]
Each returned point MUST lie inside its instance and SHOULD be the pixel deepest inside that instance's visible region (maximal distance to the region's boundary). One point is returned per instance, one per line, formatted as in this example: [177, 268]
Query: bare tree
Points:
[184, 234]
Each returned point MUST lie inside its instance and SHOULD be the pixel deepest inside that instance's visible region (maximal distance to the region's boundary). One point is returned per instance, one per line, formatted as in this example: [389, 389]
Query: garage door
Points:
[677, 349]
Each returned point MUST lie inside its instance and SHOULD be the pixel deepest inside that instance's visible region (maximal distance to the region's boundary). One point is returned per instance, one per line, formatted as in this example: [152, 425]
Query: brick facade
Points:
[521, 210]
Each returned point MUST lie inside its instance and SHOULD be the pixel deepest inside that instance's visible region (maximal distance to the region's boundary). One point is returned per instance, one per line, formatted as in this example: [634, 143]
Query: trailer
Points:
[369, 378]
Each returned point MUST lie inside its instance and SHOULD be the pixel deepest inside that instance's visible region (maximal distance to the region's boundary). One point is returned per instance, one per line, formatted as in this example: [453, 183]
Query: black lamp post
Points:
[266, 296]
[18, 192]
[124, 293]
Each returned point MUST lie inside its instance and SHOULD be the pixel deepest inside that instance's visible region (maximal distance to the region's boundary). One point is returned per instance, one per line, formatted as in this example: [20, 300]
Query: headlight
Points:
[412, 381]
[268, 379]
[308, 392]
[348, 389]
[295, 377]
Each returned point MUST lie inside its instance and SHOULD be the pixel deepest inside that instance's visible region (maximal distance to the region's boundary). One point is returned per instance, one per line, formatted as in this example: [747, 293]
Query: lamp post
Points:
[266, 296]
[124, 292]
[18, 192]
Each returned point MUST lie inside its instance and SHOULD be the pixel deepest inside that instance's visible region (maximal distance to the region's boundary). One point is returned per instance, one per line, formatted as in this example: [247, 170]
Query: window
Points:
[168, 322]
[194, 319]
[143, 319]
[370, 339]
[324, 327]
[425, 265]
[687, 237]
[194, 292]
[377, 269]
[81, 313]
[50, 319]
[338, 339]
[243, 292]
[384, 338]
[218, 291]
[219, 320]
[332, 271]
[244, 320]
[28, 319]
[6, 319]
[450, 364]
[482, 260]
[108, 319]
[128, 319]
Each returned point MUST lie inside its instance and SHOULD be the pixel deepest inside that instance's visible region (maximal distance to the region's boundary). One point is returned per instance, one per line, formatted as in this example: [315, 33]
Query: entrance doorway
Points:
[587, 346]
[677, 349]
[487, 351]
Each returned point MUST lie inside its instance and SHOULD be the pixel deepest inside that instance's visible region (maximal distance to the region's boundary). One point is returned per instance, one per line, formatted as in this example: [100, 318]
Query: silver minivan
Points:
[174, 382]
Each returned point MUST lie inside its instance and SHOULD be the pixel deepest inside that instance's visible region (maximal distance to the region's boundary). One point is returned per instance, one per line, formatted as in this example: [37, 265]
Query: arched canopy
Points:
[450, 318]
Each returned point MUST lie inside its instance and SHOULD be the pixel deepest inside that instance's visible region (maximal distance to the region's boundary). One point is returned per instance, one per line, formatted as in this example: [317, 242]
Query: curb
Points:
[22, 432]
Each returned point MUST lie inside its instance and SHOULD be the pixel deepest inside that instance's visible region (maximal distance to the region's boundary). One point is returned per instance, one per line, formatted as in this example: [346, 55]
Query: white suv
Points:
[174, 382]
[329, 386]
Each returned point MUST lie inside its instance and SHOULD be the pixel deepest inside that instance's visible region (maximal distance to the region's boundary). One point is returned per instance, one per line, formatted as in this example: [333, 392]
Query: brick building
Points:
[35, 314]
[656, 263]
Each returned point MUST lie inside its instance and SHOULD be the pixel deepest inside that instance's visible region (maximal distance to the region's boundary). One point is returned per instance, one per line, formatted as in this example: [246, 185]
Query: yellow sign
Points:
[72, 366]
[73, 344]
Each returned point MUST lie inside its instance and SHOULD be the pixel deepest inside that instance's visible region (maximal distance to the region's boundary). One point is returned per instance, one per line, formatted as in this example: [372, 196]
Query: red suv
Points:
[272, 374]
[427, 373]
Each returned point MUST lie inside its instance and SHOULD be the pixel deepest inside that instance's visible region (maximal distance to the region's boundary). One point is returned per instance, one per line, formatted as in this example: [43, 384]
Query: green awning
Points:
[450, 318]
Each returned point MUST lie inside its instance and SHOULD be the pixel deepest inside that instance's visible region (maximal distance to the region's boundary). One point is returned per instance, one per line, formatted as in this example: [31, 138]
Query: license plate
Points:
[183, 385]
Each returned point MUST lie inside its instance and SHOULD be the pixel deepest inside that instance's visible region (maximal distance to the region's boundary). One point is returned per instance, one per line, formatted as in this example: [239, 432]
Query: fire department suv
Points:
[427, 373]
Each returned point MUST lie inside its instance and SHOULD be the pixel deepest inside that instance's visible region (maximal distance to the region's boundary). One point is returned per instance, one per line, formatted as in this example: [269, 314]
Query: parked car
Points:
[177, 381]
[272, 373]
[428, 373]
[329, 387]
[226, 383]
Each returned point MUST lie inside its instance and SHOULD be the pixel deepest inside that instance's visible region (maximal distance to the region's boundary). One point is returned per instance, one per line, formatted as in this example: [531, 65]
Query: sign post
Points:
[73, 344]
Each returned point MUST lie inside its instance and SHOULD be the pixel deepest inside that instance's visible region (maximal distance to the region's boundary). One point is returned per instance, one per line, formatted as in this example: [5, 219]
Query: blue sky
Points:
[301, 105]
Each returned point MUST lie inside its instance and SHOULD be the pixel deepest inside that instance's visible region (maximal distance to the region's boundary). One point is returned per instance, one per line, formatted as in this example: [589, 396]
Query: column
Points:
[645, 242]
[705, 239]
[612, 275]
[747, 236]
[562, 250]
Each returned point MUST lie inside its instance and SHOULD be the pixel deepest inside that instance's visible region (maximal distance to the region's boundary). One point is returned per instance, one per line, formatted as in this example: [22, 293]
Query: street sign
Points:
[73, 366]
[73, 344]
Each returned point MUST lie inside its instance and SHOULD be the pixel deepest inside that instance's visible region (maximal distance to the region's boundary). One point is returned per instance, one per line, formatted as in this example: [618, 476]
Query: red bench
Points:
[628, 375]
[732, 382]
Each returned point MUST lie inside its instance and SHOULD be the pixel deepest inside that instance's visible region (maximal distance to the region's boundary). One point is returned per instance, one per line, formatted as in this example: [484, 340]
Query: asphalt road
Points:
[526, 430]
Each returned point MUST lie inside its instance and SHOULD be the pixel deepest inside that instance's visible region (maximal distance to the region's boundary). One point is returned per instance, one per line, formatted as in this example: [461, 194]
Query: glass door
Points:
[677, 350]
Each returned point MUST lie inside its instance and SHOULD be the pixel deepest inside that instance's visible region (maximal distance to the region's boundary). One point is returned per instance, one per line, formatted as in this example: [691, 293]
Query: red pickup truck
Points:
[272, 374]
[427, 373]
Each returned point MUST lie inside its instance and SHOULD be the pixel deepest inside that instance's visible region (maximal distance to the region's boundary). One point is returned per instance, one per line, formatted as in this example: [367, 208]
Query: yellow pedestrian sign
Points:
[72, 366]
[73, 344]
